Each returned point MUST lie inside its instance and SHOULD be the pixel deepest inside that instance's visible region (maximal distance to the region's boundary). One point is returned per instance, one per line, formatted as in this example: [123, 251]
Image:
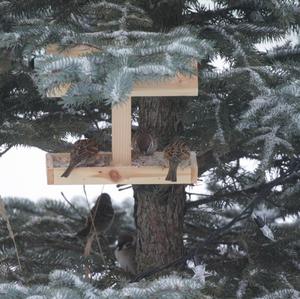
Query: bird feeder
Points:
[118, 167]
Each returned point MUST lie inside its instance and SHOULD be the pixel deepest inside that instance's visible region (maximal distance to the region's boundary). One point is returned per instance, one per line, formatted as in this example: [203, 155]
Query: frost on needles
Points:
[123, 54]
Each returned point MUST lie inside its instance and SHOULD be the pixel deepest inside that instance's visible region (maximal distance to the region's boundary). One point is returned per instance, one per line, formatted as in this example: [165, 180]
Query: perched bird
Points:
[100, 218]
[84, 152]
[265, 229]
[175, 153]
[144, 142]
[125, 252]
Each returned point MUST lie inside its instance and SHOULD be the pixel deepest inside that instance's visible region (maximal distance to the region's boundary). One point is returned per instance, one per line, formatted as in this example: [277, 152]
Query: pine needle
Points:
[4, 215]
[5, 151]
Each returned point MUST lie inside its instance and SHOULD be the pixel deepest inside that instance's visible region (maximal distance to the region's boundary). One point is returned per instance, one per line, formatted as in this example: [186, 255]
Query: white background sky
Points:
[23, 174]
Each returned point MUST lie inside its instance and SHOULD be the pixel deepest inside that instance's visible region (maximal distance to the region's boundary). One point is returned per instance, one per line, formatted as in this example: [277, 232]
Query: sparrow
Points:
[144, 142]
[175, 153]
[125, 252]
[100, 217]
[84, 152]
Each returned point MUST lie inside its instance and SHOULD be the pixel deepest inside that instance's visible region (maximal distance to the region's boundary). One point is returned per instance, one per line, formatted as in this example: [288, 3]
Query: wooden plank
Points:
[178, 86]
[50, 176]
[194, 168]
[120, 175]
[50, 172]
[59, 91]
[49, 160]
[75, 51]
[121, 133]
[139, 174]
[63, 159]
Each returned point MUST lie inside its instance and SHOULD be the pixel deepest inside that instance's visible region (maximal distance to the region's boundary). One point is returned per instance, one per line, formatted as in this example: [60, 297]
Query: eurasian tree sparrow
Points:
[144, 142]
[84, 152]
[175, 153]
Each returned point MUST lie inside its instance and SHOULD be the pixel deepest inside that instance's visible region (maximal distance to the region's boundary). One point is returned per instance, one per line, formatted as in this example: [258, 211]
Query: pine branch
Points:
[262, 187]
[262, 191]
[6, 150]
[4, 215]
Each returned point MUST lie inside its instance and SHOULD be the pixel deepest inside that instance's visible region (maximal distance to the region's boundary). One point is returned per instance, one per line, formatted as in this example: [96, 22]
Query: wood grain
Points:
[121, 133]
[143, 174]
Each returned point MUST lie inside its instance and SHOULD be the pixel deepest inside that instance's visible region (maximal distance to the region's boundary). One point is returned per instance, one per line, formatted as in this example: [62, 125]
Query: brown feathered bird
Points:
[84, 152]
[175, 153]
[100, 217]
[125, 252]
[144, 142]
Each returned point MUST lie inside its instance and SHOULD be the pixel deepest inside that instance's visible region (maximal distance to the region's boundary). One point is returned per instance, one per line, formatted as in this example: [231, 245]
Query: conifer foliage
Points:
[124, 54]
[244, 127]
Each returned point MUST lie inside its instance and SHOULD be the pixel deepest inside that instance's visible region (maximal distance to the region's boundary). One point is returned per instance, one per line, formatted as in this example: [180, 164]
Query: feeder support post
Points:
[121, 133]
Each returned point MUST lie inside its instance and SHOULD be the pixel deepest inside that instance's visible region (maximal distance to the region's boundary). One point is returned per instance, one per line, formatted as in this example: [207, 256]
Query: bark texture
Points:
[159, 221]
[159, 209]
[164, 116]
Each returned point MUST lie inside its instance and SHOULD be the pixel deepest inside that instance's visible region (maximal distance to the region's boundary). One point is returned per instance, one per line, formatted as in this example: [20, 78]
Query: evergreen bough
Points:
[247, 111]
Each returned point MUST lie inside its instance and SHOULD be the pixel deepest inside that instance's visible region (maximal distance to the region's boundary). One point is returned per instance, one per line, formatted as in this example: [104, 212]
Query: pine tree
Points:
[246, 230]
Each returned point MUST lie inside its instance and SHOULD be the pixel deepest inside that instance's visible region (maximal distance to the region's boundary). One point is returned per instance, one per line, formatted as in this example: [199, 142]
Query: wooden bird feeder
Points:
[117, 167]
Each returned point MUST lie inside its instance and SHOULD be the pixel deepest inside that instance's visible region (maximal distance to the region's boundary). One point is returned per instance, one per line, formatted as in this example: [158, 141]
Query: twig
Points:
[93, 120]
[155, 270]
[93, 224]
[86, 197]
[191, 204]
[243, 215]
[71, 205]
[193, 193]
[6, 150]
[250, 190]
[4, 215]
[123, 185]
[97, 126]
[124, 188]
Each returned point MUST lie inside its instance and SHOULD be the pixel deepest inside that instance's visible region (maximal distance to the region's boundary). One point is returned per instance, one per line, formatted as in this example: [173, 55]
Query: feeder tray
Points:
[144, 170]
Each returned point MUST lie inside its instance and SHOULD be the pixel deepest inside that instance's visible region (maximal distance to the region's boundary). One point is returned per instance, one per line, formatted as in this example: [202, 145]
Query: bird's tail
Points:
[68, 171]
[172, 174]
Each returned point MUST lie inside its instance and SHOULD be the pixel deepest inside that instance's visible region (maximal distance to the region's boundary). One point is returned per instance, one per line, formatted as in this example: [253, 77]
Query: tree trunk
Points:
[160, 212]
[159, 209]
